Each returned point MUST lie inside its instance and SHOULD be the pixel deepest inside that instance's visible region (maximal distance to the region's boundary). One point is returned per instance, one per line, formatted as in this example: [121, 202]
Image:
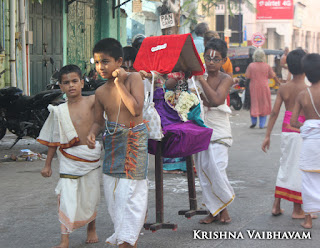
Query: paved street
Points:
[28, 216]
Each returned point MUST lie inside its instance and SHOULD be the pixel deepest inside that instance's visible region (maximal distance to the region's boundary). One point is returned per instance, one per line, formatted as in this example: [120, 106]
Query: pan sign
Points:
[258, 39]
[167, 21]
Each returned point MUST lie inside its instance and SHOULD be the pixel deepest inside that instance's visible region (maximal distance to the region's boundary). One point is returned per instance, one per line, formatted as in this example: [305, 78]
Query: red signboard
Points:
[274, 9]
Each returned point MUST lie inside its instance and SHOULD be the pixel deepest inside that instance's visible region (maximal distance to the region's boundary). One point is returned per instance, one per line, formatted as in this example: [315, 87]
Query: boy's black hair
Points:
[129, 53]
[69, 69]
[310, 66]
[217, 45]
[109, 46]
[294, 61]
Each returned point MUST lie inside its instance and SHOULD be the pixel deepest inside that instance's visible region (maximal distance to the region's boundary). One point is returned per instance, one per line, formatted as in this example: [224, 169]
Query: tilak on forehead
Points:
[212, 54]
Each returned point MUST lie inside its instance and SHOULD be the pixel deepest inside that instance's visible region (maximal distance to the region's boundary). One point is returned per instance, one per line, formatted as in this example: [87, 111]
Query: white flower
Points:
[185, 102]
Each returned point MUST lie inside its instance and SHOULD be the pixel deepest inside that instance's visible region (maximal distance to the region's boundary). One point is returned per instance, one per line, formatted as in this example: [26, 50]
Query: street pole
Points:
[240, 24]
[13, 77]
[226, 21]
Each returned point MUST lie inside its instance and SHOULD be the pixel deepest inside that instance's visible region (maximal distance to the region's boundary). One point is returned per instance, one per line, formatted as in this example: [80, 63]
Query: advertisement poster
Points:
[274, 9]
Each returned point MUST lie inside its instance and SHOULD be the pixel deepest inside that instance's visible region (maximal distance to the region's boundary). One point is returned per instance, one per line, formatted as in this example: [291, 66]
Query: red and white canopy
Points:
[169, 53]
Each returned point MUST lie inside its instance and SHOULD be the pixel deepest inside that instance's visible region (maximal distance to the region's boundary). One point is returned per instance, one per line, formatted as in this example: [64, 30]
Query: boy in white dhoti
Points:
[67, 127]
[308, 101]
[211, 165]
[288, 185]
[126, 143]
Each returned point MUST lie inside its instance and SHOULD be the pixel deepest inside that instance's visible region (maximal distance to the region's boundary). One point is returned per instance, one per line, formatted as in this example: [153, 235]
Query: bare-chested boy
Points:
[288, 185]
[308, 101]
[211, 164]
[67, 127]
[126, 143]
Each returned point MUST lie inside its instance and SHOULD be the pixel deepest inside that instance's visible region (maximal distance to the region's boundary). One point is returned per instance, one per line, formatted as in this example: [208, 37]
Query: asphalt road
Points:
[28, 212]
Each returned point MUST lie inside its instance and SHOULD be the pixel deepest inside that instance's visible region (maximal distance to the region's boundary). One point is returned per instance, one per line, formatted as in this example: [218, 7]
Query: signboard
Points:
[167, 21]
[274, 9]
[238, 53]
[227, 33]
[298, 15]
[258, 39]
[136, 6]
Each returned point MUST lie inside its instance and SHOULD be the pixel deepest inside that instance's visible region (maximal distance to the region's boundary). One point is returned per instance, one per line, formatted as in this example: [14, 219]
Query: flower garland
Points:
[185, 101]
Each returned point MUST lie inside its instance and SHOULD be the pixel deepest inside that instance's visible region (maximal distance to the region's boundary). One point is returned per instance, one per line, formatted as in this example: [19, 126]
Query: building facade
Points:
[62, 30]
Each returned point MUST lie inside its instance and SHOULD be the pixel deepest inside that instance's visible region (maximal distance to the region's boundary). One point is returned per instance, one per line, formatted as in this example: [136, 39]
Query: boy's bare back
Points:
[306, 104]
[290, 90]
[82, 116]
[109, 98]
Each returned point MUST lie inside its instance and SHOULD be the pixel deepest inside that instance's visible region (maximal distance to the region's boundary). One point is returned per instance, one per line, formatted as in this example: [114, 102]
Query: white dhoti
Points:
[211, 166]
[127, 201]
[311, 192]
[288, 185]
[78, 200]
[78, 188]
[310, 166]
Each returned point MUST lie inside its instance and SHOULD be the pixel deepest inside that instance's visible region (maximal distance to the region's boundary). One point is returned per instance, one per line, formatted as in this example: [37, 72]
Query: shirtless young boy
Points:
[308, 101]
[288, 185]
[212, 163]
[67, 127]
[126, 142]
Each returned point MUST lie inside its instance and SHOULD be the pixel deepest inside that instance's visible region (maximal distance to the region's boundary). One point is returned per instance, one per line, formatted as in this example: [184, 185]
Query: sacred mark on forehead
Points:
[212, 54]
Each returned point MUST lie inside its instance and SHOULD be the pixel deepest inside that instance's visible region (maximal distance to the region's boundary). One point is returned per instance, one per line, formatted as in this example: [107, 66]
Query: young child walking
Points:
[288, 185]
[67, 128]
[211, 164]
[126, 143]
[308, 101]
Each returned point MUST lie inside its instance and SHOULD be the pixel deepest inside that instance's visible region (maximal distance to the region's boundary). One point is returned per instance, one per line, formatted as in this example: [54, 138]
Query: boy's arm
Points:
[218, 96]
[296, 111]
[99, 121]
[47, 171]
[283, 62]
[273, 117]
[134, 99]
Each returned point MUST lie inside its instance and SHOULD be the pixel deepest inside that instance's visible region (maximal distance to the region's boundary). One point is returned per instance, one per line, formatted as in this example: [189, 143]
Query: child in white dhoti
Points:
[308, 101]
[67, 127]
[211, 165]
[126, 143]
[288, 185]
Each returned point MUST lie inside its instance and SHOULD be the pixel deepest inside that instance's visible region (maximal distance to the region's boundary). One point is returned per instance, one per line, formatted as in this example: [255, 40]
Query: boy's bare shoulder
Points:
[134, 76]
[90, 99]
[226, 78]
[101, 90]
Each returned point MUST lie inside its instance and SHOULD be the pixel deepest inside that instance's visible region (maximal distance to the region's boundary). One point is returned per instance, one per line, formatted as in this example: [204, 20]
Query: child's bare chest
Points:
[214, 82]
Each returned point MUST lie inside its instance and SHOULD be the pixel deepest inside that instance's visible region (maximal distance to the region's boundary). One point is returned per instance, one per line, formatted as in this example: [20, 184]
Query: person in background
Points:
[285, 74]
[129, 56]
[259, 72]
[137, 41]
[288, 185]
[200, 30]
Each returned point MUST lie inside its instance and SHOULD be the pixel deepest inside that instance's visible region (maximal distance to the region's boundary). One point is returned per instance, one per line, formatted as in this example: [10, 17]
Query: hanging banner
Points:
[274, 9]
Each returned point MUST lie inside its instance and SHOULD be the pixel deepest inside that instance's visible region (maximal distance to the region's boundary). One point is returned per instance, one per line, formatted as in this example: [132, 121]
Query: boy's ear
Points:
[60, 85]
[82, 83]
[120, 61]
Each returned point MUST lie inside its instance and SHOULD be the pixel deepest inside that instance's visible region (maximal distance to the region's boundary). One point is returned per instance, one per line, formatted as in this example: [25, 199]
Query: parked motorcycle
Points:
[24, 115]
[236, 89]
